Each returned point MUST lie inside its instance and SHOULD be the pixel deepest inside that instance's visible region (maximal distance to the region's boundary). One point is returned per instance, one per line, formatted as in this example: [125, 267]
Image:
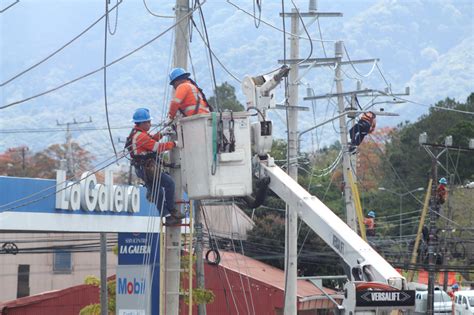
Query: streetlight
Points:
[401, 197]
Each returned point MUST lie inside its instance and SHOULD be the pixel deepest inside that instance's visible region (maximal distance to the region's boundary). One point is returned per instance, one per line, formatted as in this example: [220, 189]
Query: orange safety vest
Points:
[369, 117]
[142, 143]
[186, 99]
[369, 223]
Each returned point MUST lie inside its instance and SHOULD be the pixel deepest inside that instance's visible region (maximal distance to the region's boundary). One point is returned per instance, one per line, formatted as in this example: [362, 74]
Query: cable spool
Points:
[217, 259]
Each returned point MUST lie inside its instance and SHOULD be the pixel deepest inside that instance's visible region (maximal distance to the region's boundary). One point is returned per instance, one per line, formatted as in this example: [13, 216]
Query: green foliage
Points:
[394, 159]
[92, 280]
[91, 309]
[200, 296]
[412, 163]
[94, 309]
[226, 99]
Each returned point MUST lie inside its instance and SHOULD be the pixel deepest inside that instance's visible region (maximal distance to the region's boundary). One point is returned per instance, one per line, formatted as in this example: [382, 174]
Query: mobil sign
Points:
[138, 273]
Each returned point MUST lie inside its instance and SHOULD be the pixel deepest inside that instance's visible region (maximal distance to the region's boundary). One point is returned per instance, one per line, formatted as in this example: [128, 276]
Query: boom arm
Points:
[364, 262]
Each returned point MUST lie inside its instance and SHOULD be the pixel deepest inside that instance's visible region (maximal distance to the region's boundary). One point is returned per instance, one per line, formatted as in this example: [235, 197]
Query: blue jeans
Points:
[358, 132]
[165, 190]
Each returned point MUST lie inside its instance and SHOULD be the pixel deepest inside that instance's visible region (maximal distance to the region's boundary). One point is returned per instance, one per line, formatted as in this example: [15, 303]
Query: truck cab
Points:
[464, 302]
[442, 303]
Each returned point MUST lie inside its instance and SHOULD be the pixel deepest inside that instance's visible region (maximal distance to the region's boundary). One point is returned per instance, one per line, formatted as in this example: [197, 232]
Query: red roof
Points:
[268, 274]
[244, 285]
[66, 301]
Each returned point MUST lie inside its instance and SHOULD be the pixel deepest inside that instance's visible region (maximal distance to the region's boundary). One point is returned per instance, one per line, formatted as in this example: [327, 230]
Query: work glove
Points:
[175, 143]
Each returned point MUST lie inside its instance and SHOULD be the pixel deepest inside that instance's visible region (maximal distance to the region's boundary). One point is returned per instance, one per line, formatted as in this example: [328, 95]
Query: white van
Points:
[442, 303]
[464, 302]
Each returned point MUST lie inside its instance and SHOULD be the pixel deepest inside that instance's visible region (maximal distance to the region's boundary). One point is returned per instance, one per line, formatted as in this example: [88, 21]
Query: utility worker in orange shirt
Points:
[189, 99]
[144, 150]
[441, 191]
[364, 126]
[369, 222]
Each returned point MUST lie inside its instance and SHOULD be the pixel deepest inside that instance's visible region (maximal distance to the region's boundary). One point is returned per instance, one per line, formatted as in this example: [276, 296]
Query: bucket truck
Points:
[374, 286]
[216, 148]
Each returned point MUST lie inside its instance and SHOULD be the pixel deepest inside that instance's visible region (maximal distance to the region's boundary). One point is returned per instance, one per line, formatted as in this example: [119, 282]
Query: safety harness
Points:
[138, 160]
[197, 92]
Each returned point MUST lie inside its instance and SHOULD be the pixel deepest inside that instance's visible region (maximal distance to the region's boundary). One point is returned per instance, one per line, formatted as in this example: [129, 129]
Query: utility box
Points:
[215, 155]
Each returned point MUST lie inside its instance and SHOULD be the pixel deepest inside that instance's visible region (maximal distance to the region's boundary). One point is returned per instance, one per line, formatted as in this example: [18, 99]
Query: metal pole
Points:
[104, 310]
[346, 156]
[199, 255]
[292, 217]
[173, 233]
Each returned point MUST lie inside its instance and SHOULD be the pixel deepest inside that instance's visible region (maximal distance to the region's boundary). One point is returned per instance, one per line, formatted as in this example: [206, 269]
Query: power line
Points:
[274, 27]
[218, 60]
[107, 29]
[107, 65]
[62, 47]
[434, 107]
[157, 15]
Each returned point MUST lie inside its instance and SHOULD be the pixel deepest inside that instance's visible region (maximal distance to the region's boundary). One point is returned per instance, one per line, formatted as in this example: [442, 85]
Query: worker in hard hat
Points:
[454, 289]
[188, 99]
[363, 127]
[369, 222]
[441, 191]
[144, 150]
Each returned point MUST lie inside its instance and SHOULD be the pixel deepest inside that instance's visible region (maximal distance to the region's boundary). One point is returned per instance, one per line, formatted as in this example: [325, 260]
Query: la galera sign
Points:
[88, 195]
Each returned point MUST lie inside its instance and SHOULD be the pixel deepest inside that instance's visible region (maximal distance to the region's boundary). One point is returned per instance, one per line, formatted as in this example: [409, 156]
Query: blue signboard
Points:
[138, 273]
[31, 204]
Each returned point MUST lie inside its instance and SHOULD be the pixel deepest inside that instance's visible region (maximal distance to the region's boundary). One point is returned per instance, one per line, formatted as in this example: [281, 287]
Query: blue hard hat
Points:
[178, 73]
[371, 214]
[455, 286]
[443, 181]
[141, 115]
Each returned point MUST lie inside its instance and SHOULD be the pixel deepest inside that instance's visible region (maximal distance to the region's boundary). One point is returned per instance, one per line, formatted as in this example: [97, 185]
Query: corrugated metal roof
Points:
[268, 274]
[227, 220]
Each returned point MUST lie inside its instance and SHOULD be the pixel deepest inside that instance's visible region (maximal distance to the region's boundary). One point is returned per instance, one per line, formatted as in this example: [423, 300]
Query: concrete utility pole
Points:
[291, 230]
[291, 257]
[199, 252]
[173, 233]
[346, 155]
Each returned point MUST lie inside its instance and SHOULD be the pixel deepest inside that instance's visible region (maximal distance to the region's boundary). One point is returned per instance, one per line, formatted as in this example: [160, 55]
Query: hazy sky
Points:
[427, 45]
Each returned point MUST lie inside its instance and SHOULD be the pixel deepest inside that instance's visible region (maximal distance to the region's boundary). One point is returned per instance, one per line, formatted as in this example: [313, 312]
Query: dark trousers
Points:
[358, 132]
[160, 188]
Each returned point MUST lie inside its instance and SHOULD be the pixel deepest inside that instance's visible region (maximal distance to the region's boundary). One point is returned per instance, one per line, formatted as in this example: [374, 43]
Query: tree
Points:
[15, 161]
[226, 99]
[22, 162]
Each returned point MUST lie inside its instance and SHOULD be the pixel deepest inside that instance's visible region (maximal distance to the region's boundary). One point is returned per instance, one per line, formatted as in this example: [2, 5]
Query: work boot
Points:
[175, 213]
[353, 149]
[170, 220]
